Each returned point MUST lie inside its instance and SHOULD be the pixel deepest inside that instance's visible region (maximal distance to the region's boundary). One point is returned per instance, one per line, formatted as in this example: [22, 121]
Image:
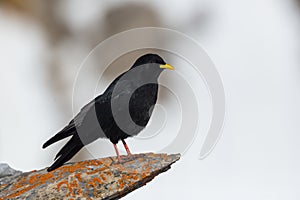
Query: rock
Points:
[6, 170]
[103, 178]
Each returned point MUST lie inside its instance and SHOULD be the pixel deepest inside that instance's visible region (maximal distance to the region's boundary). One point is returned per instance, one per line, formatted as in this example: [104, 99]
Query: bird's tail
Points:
[69, 130]
[67, 152]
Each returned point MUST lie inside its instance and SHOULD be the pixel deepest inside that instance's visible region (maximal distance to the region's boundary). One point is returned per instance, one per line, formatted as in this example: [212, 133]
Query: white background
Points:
[255, 46]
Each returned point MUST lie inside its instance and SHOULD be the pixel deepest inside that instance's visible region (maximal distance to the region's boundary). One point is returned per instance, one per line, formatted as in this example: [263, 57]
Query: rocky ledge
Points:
[103, 178]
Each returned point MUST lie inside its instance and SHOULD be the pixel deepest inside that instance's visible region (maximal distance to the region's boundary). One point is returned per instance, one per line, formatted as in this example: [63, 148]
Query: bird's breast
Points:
[142, 102]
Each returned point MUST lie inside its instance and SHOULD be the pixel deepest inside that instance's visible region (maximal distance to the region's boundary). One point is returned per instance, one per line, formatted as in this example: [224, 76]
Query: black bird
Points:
[122, 111]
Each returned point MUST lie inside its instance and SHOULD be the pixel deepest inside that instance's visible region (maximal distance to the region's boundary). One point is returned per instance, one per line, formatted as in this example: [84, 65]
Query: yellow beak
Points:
[167, 66]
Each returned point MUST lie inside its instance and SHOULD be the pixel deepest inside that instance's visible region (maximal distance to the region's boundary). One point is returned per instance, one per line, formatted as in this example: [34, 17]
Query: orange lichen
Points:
[73, 186]
[95, 162]
[25, 184]
[121, 184]
[96, 171]
[123, 181]
[103, 177]
[89, 174]
[96, 179]
[144, 175]
[93, 184]
[59, 185]
[108, 173]
[77, 166]
[78, 176]
[18, 193]
[20, 183]
[40, 178]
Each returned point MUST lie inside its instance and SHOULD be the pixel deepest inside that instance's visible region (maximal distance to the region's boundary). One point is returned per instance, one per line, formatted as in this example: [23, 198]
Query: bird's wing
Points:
[71, 128]
[78, 119]
[86, 121]
[100, 100]
[120, 99]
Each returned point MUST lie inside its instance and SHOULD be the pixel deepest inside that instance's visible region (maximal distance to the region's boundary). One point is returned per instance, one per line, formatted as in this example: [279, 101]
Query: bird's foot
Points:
[120, 160]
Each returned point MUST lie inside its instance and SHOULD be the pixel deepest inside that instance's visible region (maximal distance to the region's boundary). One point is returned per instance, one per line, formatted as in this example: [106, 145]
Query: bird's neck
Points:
[145, 73]
[150, 75]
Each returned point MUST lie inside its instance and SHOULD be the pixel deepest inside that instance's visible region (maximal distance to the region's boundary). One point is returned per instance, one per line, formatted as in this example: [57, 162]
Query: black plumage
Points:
[122, 111]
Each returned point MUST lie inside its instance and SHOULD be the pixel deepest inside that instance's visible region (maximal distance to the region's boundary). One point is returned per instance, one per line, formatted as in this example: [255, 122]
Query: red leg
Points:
[117, 152]
[127, 148]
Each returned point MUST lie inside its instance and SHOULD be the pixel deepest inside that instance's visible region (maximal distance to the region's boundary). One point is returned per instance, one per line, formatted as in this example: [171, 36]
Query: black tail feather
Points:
[72, 142]
[66, 132]
[67, 152]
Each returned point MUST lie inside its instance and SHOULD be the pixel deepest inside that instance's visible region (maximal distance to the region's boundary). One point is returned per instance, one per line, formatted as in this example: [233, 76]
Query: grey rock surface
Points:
[6, 170]
[103, 178]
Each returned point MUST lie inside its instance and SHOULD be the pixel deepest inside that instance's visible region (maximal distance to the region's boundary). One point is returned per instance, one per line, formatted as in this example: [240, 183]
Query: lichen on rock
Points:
[103, 178]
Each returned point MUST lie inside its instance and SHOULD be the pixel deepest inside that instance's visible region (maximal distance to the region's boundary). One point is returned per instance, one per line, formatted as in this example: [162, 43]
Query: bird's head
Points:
[152, 61]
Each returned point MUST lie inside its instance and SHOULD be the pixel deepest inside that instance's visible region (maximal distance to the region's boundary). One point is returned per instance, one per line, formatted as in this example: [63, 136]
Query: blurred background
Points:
[254, 44]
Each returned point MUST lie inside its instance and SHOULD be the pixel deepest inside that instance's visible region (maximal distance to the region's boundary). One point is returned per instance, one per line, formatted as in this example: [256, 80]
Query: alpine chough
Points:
[121, 111]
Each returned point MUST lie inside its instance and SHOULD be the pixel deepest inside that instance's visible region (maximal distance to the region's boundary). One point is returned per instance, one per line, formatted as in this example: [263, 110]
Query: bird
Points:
[123, 110]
